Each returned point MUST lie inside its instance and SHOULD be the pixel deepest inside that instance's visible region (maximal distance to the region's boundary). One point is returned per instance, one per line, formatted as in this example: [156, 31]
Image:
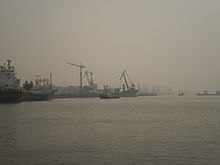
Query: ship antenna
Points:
[9, 62]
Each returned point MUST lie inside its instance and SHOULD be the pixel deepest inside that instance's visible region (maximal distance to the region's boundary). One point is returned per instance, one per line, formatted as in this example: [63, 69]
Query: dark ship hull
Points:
[76, 95]
[147, 94]
[10, 95]
[209, 94]
[105, 96]
[40, 95]
[28, 96]
[132, 93]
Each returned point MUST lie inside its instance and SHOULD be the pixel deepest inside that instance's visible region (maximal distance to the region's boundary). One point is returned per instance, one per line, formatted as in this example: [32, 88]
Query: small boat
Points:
[181, 94]
[106, 96]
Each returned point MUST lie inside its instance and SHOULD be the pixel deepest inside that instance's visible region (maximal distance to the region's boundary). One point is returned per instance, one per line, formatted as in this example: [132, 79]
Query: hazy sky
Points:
[166, 42]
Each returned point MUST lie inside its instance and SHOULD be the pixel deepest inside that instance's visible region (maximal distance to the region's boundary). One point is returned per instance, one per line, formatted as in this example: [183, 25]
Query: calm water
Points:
[127, 131]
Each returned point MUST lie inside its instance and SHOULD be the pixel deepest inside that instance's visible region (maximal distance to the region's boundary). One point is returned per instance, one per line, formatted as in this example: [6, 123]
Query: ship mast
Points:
[9, 63]
[51, 79]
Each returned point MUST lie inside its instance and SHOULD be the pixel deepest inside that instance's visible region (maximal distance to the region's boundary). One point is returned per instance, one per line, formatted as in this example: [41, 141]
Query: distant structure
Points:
[91, 84]
[206, 93]
[80, 74]
[81, 91]
[127, 91]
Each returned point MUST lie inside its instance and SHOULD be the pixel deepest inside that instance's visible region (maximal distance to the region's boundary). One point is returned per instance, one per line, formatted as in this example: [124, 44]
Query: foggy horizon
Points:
[172, 43]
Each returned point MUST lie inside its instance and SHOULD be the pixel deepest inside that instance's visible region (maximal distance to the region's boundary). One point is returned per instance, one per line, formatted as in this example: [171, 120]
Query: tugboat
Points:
[9, 84]
[181, 94]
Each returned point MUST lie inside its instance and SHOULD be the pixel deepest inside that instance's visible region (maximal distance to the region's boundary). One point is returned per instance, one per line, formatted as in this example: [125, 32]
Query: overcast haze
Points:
[168, 42]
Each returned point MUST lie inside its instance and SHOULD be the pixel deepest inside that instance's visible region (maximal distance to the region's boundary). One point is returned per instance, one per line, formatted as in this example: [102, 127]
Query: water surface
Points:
[126, 131]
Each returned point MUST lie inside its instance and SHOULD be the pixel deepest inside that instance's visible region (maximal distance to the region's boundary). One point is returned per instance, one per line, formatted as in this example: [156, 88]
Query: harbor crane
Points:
[124, 74]
[87, 76]
[90, 82]
[91, 74]
[81, 67]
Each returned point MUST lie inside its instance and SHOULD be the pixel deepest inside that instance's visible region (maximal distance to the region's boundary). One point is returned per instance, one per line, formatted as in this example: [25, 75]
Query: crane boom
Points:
[125, 75]
[91, 77]
[87, 76]
[126, 82]
[81, 66]
[128, 77]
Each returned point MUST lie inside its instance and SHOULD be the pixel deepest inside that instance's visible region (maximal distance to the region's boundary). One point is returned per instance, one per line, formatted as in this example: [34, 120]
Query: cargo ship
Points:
[9, 84]
[37, 95]
[75, 92]
[42, 90]
[108, 94]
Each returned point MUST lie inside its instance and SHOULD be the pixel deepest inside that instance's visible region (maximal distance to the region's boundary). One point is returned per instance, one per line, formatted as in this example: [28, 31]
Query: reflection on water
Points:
[143, 130]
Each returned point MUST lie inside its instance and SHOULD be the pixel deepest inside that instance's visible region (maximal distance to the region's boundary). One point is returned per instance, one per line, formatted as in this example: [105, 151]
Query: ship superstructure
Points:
[9, 84]
[8, 76]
